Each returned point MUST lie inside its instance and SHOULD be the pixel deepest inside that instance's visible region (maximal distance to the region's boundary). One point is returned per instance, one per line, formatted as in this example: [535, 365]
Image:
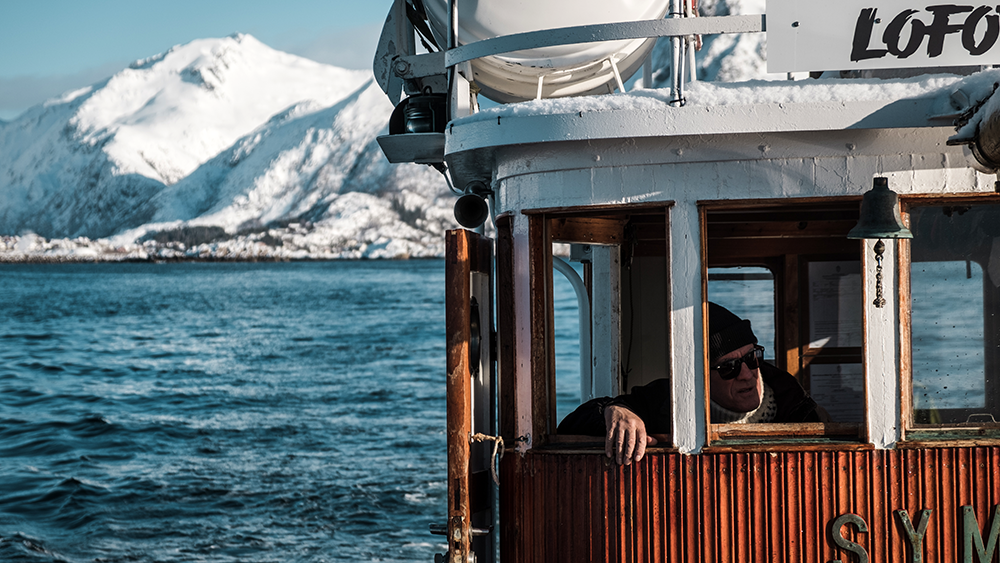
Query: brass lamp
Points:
[879, 218]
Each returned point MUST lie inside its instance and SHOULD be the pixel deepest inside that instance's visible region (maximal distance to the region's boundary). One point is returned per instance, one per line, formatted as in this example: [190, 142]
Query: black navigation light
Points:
[426, 113]
[422, 113]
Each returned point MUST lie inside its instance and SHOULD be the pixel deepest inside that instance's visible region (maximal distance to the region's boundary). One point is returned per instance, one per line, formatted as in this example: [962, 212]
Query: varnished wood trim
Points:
[789, 308]
[787, 430]
[814, 202]
[506, 329]
[668, 273]
[774, 447]
[952, 199]
[706, 379]
[542, 368]
[459, 244]
[948, 443]
[614, 208]
[865, 368]
[905, 374]
[481, 258]
[587, 230]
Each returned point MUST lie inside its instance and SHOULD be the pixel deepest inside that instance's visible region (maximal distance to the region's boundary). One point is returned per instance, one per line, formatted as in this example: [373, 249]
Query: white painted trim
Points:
[881, 349]
[461, 98]
[687, 370]
[491, 131]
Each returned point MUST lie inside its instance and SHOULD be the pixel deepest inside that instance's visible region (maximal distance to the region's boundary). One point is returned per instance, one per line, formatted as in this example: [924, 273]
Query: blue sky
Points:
[50, 46]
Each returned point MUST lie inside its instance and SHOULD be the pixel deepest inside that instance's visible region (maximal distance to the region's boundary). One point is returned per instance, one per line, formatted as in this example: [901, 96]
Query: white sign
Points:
[804, 35]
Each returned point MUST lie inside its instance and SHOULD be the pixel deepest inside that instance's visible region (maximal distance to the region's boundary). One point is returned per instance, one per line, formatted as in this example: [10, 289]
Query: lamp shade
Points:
[879, 216]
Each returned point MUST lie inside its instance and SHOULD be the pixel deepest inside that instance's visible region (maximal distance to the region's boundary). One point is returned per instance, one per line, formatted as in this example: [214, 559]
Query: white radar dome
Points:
[566, 70]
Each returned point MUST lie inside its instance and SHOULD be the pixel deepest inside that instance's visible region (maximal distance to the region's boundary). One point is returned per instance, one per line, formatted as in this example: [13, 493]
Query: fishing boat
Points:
[856, 202]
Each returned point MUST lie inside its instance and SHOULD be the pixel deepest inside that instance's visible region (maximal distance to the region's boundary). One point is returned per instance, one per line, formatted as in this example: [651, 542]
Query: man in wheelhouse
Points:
[744, 389]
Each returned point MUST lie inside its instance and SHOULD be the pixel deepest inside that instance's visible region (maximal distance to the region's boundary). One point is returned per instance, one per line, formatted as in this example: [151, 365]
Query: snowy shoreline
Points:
[5, 259]
[281, 246]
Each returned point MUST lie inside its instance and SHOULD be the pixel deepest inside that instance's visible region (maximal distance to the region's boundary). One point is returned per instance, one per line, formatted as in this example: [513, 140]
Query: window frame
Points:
[580, 225]
[913, 434]
[788, 290]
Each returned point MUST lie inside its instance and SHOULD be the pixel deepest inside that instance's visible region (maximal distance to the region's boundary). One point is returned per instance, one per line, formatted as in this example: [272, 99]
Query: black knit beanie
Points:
[727, 332]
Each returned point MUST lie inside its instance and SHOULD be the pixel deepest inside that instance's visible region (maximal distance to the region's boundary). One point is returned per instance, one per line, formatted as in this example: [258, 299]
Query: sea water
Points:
[277, 412]
[251, 412]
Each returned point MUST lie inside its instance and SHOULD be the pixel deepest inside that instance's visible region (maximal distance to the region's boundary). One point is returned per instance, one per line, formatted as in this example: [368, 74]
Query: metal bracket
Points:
[409, 67]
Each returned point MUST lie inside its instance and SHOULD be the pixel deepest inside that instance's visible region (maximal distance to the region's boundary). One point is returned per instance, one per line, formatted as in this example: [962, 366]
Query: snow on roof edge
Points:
[974, 88]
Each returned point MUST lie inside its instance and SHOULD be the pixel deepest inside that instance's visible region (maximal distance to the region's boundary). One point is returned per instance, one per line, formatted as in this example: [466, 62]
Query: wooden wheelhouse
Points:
[749, 203]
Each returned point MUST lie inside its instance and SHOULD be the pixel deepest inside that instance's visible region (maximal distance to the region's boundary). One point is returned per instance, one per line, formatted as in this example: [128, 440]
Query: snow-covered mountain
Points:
[228, 148]
[219, 133]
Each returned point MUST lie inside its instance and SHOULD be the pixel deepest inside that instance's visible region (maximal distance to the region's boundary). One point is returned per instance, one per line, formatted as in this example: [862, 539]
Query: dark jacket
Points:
[652, 403]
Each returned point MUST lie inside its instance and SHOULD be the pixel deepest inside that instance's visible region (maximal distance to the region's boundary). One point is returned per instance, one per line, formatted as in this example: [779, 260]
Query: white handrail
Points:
[583, 301]
[675, 27]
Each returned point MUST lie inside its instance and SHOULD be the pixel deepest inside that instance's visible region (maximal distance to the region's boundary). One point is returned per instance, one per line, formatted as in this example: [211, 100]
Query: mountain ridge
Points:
[217, 132]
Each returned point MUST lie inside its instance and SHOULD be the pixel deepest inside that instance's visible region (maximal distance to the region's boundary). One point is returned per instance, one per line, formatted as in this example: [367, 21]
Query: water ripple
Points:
[221, 412]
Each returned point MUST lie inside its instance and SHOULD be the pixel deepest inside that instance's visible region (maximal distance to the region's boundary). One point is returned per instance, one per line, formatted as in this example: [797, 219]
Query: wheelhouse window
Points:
[791, 271]
[621, 258]
[954, 328]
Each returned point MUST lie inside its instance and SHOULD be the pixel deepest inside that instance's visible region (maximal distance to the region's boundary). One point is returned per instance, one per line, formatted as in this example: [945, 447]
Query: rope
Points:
[497, 445]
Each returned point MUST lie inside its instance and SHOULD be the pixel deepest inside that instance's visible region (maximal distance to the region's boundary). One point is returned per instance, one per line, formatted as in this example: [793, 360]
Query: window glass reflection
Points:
[954, 275]
[948, 364]
[749, 293]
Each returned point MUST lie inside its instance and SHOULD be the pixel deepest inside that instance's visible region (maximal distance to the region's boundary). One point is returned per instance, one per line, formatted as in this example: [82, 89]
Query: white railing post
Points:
[647, 71]
[677, 59]
[690, 42]
[453, 90]
[618, 75]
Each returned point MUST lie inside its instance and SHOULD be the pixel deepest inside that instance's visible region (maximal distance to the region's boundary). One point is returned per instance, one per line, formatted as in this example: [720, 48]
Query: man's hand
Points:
[626, 440]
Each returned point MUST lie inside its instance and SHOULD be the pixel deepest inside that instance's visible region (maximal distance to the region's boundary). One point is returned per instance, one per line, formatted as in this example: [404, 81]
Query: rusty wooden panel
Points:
[793, 506]
[459, 248]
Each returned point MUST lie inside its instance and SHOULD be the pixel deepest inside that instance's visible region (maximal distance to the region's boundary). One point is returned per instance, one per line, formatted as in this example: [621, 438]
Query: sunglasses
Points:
[731, 368]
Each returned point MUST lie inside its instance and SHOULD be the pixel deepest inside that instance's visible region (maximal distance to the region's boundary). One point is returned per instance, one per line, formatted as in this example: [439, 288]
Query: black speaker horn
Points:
[471, 211]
